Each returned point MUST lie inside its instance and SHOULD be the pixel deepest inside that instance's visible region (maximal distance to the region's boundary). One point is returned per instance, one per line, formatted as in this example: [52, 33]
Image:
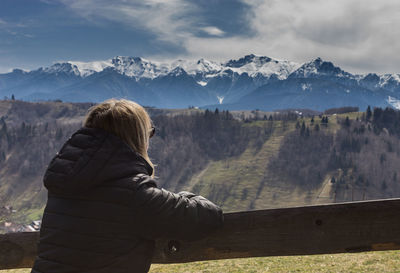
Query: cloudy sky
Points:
[358, 35]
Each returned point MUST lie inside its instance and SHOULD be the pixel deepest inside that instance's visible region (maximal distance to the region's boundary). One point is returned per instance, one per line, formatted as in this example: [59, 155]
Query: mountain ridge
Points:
[203, 83]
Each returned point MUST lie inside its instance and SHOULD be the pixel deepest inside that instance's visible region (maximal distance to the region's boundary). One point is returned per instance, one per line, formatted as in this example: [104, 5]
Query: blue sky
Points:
[358, 35]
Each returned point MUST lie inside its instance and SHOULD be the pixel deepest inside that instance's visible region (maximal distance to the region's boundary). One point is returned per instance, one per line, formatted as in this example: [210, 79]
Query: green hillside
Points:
[241, 161]
[244, 182]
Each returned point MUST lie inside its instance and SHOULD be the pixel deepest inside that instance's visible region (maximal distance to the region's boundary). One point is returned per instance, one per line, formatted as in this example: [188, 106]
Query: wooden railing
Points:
[334, 228]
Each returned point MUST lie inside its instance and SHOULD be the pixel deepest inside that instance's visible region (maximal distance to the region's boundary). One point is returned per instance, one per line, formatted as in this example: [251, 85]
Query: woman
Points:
[104, 209]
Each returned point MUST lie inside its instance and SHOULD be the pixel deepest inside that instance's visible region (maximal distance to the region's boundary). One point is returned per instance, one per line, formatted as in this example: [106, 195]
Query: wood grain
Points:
[334, 228]
[323, 229]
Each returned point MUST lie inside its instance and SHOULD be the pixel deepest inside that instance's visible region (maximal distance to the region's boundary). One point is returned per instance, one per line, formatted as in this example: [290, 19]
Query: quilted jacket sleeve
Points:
[163, 214]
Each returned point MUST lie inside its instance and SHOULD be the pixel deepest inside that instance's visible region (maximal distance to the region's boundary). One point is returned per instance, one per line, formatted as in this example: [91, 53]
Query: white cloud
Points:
[27, 35]
[2, 23]
[158, 16]
[348, 32]
[358, 35]
[214, 31]
[5, 69]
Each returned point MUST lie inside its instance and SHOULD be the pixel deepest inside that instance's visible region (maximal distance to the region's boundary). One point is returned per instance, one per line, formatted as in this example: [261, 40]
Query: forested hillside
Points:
[30, 135]
[241, 162]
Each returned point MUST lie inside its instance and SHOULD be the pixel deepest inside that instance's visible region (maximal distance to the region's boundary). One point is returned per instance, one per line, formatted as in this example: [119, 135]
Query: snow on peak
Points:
[207, 66]
[259, 60]
[177, 71]
[201, 66]
[251, 64]
[203, 70]
[390, 82]
[138, 67]
[254, 65]
[61, 68]
[243, 61]
[320, 67]
[88, 68]
[389, 79]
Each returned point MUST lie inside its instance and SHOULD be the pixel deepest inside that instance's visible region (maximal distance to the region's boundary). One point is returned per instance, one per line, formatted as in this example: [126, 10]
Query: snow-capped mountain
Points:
[137, 68]
[88, 68]
[142, 68]
[61, 68]
[320, 68]
[199, 67]
[246, 83]
[260, 65]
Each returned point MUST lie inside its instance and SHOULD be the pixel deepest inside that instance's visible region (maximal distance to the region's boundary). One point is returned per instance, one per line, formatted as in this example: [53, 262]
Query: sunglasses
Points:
[152, 131]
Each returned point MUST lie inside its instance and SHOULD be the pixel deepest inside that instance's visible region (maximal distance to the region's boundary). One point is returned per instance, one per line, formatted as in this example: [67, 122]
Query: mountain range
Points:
[251, 82]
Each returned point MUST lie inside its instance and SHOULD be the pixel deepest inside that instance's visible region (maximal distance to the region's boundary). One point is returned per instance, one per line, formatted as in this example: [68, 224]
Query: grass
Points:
[234, 182]
[380, 262]
[245, 182]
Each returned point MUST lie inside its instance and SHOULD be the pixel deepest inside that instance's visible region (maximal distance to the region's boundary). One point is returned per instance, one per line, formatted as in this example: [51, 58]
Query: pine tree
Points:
[384, 185]
[369, 113]
[307, 132]
[59, 134]
[347, 122]
[303, 129]
[377, 113]
[3, 129]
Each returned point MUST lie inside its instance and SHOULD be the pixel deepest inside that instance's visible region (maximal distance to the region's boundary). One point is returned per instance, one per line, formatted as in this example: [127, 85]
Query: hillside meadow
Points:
[241, 160]
[379, 262]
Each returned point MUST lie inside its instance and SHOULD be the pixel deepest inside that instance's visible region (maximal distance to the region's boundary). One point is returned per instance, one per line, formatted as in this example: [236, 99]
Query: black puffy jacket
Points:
[104, 210]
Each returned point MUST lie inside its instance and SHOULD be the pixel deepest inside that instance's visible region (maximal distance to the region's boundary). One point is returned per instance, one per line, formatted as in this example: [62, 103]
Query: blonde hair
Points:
[123, 118]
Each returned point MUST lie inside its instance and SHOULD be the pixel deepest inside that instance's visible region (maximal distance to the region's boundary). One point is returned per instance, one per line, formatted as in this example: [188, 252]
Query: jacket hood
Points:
[92, 156]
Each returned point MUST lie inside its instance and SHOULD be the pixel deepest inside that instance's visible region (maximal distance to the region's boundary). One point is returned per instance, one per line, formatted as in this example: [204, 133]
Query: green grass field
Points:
[380, 262]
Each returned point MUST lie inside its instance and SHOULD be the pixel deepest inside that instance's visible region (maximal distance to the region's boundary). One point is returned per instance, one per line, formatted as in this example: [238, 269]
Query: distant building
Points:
[34, 226]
